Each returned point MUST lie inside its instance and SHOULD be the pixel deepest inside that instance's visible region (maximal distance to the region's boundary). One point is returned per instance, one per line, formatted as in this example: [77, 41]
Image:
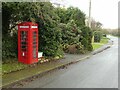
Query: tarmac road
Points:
[99, 71]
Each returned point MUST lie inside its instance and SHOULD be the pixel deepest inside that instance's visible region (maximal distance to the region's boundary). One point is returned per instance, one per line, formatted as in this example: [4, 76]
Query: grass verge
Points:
[12, 65]
[103, 41]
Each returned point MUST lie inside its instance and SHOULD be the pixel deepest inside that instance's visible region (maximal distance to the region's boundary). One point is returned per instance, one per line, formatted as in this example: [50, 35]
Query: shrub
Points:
[104, 35]
[97, 36]
[86, 38]
[9, 47]
[76, 49]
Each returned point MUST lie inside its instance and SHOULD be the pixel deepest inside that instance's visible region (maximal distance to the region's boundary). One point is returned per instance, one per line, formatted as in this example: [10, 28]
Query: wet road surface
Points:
[99, 71]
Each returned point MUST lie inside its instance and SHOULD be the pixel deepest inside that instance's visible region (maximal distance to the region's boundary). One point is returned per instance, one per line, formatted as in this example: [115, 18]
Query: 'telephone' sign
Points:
[24, 26]
[33, 26]
[28, 26]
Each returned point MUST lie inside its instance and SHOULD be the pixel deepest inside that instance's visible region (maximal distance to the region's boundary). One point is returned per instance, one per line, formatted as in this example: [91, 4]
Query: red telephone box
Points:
[28, 42]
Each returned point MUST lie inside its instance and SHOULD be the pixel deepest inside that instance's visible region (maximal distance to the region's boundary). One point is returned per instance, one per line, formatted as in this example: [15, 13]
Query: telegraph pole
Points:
[89, 22]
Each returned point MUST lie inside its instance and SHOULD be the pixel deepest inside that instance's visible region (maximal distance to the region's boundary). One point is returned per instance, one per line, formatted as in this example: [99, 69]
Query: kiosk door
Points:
[24, 43]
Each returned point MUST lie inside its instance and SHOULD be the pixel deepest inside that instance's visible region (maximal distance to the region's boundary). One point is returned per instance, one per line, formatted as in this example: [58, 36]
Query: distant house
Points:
[58, 3]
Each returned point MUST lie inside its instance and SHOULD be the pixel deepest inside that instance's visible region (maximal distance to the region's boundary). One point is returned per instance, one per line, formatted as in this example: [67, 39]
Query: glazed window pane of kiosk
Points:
[34, 44]
[24, 36]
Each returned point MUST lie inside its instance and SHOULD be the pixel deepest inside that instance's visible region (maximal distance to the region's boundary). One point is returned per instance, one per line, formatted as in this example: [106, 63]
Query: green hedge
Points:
[57, 27]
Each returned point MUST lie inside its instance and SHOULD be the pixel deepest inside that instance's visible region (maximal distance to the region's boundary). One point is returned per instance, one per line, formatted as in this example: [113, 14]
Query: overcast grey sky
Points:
[104, 11]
